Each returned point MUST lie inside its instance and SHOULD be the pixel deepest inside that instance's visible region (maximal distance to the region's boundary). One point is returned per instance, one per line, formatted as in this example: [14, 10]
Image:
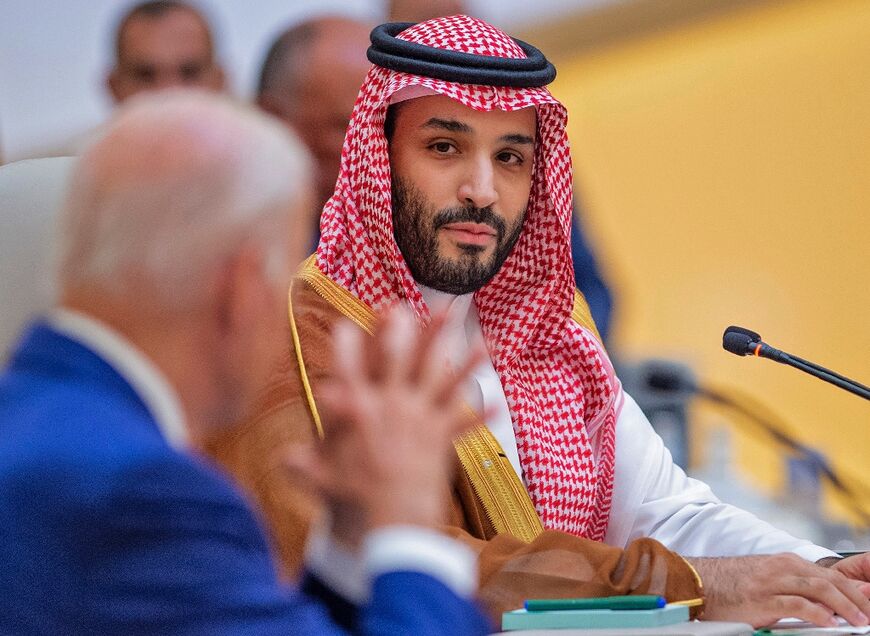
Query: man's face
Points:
[461, 183]
[323, 101]
[322, 111]
[170, 50]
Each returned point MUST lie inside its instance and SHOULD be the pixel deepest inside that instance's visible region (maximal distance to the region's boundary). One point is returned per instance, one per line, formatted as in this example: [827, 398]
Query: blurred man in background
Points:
[179, 238]
[309, 80]
[422, 10]
[163, 44]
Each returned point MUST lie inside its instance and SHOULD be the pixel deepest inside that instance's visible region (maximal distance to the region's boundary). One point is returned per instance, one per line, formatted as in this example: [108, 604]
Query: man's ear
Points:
[219, 79]
[113, 84]
[274, 105]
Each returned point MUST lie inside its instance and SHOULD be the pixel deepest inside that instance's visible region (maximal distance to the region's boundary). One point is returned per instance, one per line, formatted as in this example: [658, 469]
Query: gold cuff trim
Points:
[504, 498]
[699, 583]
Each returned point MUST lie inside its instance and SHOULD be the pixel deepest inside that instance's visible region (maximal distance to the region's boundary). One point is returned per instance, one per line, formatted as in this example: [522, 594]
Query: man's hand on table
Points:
[762, 589]
[855, 567]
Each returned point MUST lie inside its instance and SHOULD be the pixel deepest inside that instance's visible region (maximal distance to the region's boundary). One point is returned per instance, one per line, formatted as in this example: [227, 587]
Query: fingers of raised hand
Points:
[448, 383]
[306, 466]
[348, 366]
[417, 364]
[393, 348]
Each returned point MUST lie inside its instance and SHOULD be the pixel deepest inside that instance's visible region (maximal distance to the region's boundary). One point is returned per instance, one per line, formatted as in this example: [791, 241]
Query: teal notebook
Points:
[568, 619]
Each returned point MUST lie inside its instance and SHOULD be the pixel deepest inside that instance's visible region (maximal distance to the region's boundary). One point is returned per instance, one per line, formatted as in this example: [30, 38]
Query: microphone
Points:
[743, 342]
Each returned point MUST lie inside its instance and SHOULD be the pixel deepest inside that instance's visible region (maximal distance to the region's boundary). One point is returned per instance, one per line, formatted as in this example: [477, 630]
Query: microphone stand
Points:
[769, 424]
[821, 372]
[664, 378]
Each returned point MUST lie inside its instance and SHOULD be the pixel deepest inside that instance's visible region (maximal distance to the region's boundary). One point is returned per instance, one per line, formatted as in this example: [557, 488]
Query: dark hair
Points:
[154, 9]
[390, 120]
[288, 46]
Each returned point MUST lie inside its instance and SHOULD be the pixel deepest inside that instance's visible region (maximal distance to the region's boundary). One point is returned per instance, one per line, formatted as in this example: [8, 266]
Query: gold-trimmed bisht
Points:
[496, 484]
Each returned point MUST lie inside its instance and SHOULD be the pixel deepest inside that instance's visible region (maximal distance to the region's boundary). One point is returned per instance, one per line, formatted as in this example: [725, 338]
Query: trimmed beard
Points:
[415, 228]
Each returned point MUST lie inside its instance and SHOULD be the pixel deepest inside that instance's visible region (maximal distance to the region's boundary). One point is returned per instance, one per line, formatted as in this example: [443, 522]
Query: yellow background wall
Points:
[724, 169]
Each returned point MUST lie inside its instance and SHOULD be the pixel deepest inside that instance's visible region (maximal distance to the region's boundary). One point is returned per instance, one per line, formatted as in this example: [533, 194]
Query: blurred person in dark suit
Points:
[177, 248]
[163, 44]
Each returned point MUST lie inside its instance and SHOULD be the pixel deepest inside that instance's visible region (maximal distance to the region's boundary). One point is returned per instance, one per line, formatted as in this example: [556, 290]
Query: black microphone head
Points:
[746, 332]
[737, 340]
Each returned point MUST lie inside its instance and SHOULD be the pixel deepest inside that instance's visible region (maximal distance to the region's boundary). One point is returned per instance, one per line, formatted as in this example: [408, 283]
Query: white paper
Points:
[796, 626]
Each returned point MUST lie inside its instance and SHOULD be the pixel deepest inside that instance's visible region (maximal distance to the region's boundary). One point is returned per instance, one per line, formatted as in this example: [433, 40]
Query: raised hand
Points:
[762, 589]
[390, 412]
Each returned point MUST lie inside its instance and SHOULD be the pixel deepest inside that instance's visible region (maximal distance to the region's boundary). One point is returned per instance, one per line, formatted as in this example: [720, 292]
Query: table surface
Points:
[692, 628]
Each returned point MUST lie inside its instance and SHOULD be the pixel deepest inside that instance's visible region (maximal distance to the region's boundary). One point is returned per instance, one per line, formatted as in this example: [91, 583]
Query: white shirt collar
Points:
[438, 301]
[149, 383]
[485, 391]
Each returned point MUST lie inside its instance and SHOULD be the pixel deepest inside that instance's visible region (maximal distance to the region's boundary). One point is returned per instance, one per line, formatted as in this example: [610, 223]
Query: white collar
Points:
[456, 306]
[149, 383]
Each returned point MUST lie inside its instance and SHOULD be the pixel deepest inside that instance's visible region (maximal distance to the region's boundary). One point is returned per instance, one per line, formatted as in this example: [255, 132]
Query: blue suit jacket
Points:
[105, 529]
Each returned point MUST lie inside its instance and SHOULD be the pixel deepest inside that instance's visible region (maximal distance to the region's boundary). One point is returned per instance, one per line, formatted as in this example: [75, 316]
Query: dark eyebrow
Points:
[517, 139]
[453, 125]
[447, 124]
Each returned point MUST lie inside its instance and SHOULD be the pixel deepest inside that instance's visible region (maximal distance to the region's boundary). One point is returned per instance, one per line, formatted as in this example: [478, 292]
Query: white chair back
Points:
[32, 193]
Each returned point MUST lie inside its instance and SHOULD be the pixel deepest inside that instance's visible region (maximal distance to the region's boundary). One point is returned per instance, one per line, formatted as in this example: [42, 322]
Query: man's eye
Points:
[510, 158]
[442, 147]
[191, 72]
[145, 74]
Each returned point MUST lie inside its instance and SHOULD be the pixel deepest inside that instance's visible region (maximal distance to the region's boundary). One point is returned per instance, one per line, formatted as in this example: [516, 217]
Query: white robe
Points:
[652, 496]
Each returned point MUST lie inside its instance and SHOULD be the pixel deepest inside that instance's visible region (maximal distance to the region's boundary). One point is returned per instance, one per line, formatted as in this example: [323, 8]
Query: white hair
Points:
[176, 184]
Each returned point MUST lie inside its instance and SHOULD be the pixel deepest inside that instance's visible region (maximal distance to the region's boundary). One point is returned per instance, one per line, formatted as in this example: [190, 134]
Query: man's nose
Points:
[478, 185]
[171, 78]
[168, 79]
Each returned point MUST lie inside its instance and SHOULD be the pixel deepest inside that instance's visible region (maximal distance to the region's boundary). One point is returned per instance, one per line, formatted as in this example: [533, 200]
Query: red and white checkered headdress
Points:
[559, 384]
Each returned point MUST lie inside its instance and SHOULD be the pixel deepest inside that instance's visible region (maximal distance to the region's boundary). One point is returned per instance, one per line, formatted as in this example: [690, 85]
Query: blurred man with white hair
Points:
[178, 243]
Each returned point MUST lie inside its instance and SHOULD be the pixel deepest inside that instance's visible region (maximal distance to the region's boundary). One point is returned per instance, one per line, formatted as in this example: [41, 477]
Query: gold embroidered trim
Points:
[337, 296]
[581, 314]
[504, 498]
[297, 347]
[495, 482]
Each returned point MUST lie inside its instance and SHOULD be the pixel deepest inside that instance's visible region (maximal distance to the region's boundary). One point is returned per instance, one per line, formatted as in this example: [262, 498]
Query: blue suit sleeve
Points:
[400, 599]
[178, 551]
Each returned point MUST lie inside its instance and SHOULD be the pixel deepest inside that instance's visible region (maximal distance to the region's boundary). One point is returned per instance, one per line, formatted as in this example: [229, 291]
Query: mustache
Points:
[470, 215]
